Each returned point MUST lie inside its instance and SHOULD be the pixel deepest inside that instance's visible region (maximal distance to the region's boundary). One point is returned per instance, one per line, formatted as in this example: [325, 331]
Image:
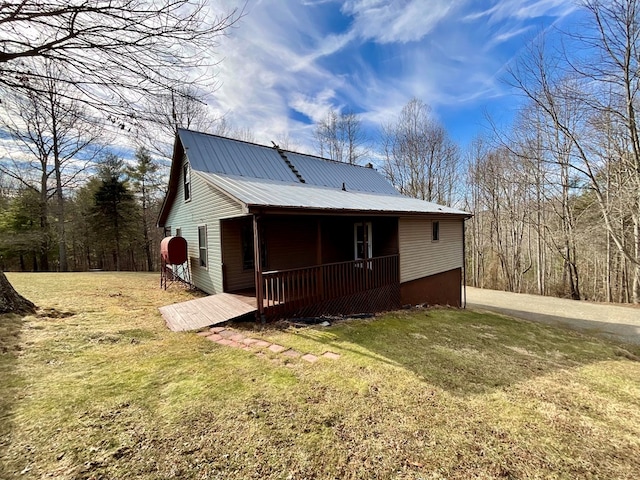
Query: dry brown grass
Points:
[96, 387]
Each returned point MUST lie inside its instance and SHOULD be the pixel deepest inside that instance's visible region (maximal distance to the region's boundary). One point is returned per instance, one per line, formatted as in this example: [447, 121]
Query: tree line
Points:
[74, 78]
[555, 196]
[557, 199]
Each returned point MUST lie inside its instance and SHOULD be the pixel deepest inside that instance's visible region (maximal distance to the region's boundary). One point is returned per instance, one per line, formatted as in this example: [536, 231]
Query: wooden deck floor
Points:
[211, 310]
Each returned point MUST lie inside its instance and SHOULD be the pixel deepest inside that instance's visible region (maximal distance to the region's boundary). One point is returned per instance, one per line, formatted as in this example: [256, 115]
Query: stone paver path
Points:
[235, 339]
[309, 357]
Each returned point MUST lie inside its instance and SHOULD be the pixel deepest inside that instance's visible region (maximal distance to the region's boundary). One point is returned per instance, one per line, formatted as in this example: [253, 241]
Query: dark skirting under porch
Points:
[440, 289]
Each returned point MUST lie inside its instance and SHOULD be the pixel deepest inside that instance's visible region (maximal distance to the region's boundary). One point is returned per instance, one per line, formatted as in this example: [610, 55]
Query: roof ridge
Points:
[284, 150]
[331, 160]
[223, 137]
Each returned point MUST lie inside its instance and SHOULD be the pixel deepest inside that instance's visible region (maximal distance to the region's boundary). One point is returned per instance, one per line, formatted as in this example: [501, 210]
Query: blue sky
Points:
[287, 62]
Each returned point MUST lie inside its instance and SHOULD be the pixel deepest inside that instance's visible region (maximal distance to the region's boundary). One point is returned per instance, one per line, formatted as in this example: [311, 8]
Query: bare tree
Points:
[340, 137]
[478, 246]
[545, 153]
[180, 107]
[502, 194]
[56, 143]
[113, 51]
[603, 86]
[419, 157]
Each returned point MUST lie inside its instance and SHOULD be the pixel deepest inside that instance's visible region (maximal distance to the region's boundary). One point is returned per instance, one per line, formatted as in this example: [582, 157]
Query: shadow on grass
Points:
[464, 352]
[10, 331]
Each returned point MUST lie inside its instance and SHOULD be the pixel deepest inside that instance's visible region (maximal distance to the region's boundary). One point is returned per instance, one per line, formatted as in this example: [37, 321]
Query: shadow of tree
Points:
[464, 352]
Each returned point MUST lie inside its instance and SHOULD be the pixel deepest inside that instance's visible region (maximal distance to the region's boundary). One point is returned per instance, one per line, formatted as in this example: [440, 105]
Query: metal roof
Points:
[255, 192]
[327, 173]
[214, 154]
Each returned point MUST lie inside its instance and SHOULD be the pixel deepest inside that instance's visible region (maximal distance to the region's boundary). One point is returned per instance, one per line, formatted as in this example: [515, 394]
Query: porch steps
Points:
[207, 311]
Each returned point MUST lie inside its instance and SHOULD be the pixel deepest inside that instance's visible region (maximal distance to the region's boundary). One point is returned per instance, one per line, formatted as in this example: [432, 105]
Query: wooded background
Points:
[555, 195]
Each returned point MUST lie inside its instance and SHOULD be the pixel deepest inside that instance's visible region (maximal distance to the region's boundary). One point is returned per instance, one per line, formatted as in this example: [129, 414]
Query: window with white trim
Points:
[202, 245]
[435, 231]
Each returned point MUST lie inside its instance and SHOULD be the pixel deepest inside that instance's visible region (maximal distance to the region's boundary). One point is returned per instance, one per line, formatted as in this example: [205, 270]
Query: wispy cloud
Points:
[288, 62]
[398, 21]
[314, 107]
[522, 10]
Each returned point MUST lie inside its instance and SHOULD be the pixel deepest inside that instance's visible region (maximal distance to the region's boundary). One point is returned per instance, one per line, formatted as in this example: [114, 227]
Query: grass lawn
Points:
[96, 387]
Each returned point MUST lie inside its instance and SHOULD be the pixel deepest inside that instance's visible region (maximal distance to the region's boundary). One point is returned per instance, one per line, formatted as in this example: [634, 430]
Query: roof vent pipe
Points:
[344, 187]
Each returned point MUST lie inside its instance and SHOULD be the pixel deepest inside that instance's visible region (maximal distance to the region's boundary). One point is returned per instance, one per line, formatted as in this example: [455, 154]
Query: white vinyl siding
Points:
[207, 207]
[420, 256]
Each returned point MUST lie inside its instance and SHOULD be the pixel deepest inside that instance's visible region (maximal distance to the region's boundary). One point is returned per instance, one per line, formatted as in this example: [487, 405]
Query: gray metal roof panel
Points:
[327, 173]
[277, 194]
[214, 154]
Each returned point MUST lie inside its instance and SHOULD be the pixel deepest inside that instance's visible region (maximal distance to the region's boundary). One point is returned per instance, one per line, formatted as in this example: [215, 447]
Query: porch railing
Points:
[292, 290]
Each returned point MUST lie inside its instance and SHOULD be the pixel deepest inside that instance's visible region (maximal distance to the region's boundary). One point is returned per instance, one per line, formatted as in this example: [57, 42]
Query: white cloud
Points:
[507, 35]
[523, 9]
[290, 61]
[398, 21]
[286, 62]
[316, 107]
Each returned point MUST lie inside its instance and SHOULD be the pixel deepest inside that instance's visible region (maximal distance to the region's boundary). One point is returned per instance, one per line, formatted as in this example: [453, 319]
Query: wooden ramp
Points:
[211, 310]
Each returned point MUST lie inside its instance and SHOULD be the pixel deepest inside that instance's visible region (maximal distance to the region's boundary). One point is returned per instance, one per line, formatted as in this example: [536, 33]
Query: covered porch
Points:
[310, 265]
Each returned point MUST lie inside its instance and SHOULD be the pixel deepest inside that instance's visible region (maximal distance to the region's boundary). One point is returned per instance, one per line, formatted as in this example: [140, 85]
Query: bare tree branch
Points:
[113, 51]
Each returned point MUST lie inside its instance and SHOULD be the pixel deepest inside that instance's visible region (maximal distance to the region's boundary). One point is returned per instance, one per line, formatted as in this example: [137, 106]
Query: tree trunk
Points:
[11, 301]
[636, 268]
[145, 230]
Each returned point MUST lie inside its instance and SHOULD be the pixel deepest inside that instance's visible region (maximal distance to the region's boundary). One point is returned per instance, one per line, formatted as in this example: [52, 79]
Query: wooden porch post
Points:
[257, 263]
[365, 244]
[319, 259]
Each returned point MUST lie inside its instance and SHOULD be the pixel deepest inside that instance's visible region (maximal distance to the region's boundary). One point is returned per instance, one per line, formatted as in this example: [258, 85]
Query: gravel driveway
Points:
[620, 323]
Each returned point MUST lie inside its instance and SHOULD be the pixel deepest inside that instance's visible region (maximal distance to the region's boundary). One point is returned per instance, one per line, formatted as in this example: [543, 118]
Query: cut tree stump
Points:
[11, 301]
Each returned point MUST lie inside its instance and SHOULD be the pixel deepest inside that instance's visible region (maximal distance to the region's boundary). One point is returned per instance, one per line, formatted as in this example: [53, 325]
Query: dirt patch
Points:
[621, 352]
[10, 329]
[52, 313]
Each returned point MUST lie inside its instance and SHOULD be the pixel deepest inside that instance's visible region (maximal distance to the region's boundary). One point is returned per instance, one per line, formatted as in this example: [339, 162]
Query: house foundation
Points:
[440, 289]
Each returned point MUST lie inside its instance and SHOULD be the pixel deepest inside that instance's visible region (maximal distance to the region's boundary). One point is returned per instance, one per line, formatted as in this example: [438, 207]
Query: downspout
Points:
[464, 263]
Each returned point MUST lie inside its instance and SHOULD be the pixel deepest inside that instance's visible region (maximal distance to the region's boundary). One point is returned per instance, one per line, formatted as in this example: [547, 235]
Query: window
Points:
[202, 245]
[247, 248]
[362, 239]
[186, 173]
[435, 231]
[167, 231]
